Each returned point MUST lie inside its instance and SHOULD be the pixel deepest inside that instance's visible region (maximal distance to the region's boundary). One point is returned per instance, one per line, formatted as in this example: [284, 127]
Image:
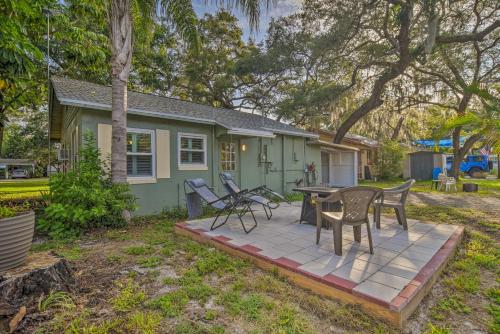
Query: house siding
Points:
[286, 159]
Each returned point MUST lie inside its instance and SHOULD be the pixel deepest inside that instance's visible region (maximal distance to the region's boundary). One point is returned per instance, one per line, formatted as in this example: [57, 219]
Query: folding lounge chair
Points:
[261, 195]
[227, 204]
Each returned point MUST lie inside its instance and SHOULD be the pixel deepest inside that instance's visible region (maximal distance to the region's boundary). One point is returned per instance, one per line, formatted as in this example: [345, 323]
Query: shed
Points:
[419, 165]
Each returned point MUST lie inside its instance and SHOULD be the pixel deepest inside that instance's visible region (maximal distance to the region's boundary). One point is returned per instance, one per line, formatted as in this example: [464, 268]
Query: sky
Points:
[282, 8]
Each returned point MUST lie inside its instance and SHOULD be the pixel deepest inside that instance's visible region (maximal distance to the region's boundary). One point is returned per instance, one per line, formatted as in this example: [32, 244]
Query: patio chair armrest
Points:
[393, 192]
[330, 198]
[256, 189]
[242, 192]
[267, 190]
[223, 198]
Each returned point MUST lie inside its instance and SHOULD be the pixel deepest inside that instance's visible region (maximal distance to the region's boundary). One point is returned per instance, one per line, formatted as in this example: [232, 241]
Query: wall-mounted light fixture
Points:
[243, 147]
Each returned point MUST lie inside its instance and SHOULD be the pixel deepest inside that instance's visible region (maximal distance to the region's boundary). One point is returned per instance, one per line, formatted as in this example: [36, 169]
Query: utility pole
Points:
[48, 13]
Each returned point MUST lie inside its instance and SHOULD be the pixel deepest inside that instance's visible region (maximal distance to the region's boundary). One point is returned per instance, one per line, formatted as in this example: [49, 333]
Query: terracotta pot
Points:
[16, 235]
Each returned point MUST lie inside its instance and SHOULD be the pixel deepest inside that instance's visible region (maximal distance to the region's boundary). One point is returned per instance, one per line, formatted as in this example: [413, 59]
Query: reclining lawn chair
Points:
[261, 195]
[227, 204]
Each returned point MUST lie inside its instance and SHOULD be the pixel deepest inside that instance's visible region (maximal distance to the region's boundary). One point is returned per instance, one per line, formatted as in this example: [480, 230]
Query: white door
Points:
[343, 168]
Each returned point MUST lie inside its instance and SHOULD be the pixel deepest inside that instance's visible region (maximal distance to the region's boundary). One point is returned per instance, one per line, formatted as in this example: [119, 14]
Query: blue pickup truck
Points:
[472, 164]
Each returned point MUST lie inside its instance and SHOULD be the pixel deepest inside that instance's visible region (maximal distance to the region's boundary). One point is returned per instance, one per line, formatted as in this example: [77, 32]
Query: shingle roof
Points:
[90, 95]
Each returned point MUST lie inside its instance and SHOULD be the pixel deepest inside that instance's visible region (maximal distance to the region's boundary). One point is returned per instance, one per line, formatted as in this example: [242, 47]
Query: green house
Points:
[170, 140]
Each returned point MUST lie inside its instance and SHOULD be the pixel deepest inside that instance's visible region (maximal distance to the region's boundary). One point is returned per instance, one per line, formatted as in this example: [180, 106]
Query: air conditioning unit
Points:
[62, 154]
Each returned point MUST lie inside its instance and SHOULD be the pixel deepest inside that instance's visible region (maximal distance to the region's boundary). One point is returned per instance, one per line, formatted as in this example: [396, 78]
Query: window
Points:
[192, 150]
[140, 148]
[228, 156]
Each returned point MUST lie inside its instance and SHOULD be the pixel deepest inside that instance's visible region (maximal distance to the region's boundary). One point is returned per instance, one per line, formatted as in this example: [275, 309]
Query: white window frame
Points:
[230, 162]
[188, 166]
[144, 179]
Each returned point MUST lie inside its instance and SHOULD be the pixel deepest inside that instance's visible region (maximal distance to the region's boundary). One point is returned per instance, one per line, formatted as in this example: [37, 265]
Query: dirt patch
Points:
[483, 203]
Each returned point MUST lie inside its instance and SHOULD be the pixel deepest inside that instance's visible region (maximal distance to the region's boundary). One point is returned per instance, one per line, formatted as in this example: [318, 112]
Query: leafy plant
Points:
[129, 297]
[59, 299]
[171, 304]
[144, 322]
[7, 212]
[84, 197]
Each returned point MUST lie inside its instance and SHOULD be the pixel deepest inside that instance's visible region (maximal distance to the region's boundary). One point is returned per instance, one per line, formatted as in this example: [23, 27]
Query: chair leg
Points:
[398, 216]
[401, 213]
[318, 228]
[337, 238]
[247, 209]
[213, 226]
[377, 220]
[357, 233]
[268, 215]
[369, 236]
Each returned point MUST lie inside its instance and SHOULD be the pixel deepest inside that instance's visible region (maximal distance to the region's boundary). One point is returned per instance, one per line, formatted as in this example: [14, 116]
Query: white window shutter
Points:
[162, 154]
[104, 143]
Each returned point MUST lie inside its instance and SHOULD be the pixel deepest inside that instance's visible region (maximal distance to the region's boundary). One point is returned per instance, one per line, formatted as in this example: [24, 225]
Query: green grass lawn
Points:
[486, 187]
[23, 189]
[186, 287]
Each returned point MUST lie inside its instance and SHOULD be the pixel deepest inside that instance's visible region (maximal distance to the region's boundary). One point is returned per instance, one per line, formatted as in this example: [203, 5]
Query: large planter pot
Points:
[16, 235]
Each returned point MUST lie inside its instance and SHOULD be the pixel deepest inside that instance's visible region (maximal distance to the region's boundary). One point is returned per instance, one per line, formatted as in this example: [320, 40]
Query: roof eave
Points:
[250, 133]
[135, 111]
[293, 133]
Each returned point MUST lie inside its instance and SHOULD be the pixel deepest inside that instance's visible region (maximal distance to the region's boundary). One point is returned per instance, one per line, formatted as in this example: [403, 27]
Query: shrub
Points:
[84, 197]
[11, 211]
[390, 160]
[6, 212]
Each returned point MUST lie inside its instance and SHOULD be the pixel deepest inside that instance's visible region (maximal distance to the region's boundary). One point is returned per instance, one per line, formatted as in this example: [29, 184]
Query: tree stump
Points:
[41, 274]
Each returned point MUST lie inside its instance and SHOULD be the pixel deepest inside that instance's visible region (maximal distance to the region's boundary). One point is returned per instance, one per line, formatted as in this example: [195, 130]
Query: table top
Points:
[317, 190]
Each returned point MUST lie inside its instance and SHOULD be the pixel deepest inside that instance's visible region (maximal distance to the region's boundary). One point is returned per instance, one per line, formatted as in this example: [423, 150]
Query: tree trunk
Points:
[42, 274]
[456, 152]
[1, 138]
[390, 74]
[458, 155]
[119, 131]
[397, 129]
[464, 150]
[121, 57]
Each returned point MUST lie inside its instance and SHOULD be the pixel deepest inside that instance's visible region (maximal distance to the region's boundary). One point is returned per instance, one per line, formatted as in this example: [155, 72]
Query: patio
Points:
[389, 284]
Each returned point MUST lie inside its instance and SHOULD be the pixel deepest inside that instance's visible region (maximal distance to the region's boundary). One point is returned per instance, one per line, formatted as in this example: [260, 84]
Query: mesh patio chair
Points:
[260, 195]
[355, 204]
[229, 204]
[393, 198]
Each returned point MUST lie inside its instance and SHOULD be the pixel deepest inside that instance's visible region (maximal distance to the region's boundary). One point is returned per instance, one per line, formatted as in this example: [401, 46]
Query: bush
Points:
[84, 197]
[390, 160]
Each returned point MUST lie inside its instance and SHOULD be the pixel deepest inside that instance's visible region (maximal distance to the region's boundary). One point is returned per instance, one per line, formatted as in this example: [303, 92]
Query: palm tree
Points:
[181, 15]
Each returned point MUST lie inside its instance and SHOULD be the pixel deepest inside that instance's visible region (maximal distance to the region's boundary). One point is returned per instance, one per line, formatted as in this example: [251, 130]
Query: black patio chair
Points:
[226, 204]
[260, 195]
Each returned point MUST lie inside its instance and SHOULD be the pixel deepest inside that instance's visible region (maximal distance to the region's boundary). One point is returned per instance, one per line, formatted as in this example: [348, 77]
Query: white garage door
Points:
[343, 169]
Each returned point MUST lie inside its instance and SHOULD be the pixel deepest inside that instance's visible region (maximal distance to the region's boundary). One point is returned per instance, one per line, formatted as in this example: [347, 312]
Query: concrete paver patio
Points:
[389, 283]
